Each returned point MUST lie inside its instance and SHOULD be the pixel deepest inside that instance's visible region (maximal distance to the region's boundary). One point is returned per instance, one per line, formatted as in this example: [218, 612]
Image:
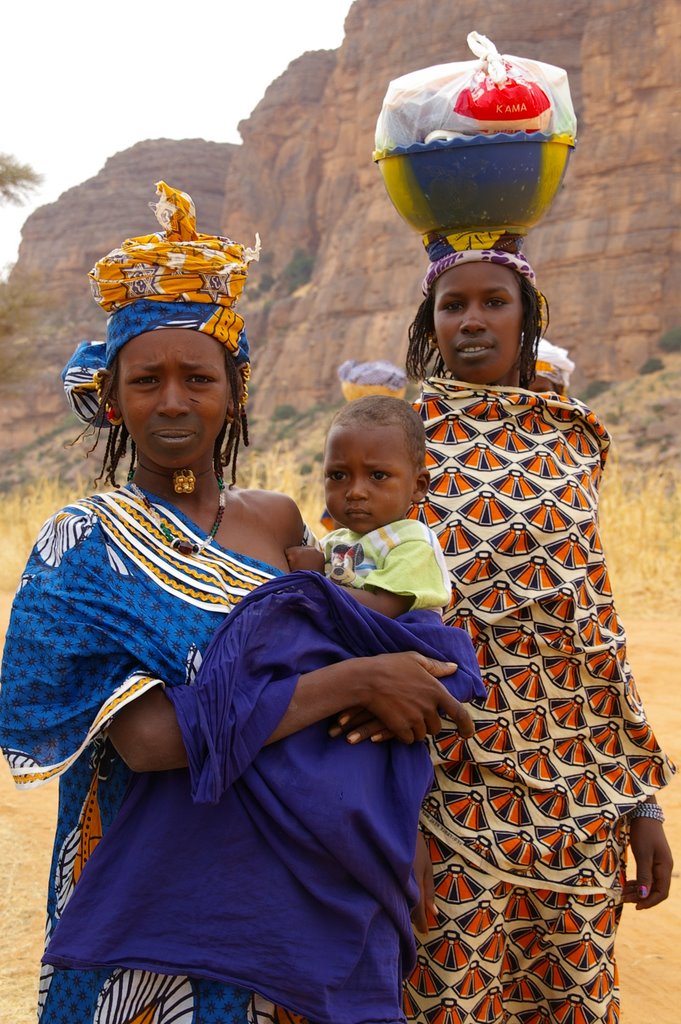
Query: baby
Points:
[374, 470]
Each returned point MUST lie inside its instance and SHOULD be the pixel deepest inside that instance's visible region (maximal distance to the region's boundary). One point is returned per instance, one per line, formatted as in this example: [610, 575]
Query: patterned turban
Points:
[515, 260]
[554, 363]
[174, 278]
[80, 377]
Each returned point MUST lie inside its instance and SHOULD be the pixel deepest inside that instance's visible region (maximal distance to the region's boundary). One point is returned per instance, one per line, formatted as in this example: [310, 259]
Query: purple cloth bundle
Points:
[285, 869]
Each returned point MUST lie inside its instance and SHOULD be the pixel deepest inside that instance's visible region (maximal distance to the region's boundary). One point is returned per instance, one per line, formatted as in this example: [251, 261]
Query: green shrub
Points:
[652, 365]
[671, 340]
[265, 283]
[21, 306]
[593, 388]
[284, 412]
[306, 469]
[297, 271]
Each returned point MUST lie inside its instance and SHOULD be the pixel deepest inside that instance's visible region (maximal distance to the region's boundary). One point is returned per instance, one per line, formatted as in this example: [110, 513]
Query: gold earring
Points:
[432, 341]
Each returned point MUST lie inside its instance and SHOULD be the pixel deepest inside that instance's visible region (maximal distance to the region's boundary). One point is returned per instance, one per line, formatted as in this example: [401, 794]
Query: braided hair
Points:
[225, 449]
[535, 321]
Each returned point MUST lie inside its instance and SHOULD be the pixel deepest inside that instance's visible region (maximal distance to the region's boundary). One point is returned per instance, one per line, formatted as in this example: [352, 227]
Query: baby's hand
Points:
[301, 557]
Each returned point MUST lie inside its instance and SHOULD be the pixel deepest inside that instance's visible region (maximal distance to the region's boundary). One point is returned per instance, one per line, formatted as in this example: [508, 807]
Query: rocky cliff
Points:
[607, 254]
[340, 271]
[92, 218]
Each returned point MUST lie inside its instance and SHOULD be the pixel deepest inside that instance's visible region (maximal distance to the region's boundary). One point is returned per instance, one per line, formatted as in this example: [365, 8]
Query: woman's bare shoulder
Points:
[279, 511]
[257, 499]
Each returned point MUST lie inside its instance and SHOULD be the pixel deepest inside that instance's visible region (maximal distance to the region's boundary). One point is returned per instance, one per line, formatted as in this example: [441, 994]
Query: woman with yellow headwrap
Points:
[120, 597]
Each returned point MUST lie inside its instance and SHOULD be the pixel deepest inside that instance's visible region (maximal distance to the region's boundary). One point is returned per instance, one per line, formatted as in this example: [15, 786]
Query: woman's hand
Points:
[351, 720]
[361, 723]
[654, 864]
[423, 870]
[407, 697]
[402, 692]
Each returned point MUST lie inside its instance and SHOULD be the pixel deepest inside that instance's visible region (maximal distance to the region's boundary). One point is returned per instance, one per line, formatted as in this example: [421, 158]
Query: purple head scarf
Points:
[515, 260]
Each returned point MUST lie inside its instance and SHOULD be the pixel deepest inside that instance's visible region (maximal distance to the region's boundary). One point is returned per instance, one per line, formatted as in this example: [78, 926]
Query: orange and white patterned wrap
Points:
[525, 819]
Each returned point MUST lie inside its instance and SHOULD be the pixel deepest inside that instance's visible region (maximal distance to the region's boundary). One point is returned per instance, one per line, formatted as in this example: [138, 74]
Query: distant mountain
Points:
[340, 272]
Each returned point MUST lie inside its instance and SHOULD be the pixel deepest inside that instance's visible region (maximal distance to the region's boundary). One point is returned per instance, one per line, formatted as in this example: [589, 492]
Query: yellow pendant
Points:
[184, 481]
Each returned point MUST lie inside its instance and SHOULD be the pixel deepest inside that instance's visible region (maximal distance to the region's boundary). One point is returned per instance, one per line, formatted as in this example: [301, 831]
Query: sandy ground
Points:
[647, 944]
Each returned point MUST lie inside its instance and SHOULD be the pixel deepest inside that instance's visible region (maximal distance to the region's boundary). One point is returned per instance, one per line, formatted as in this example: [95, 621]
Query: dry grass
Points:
[640, 521]
[22, 513]
[641, 532]
[279, 470]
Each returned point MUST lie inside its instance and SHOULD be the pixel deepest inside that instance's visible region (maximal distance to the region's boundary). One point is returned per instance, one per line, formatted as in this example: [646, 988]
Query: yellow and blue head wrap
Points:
[174, 278]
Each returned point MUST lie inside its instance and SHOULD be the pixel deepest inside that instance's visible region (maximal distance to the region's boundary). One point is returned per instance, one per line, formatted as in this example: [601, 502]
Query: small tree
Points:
[21, 306]
[17, 180]
[594, 388]
[652, 365]
[284, 412]
[297, 271]
[671, 340]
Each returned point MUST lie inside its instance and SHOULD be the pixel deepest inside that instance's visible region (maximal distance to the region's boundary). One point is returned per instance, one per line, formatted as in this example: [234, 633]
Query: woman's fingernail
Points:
[343, 719]
[335, 730]
[352, 737]
[643, 891]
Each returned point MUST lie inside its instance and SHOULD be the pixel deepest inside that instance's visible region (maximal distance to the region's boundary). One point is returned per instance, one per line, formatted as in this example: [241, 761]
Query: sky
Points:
[81, 80]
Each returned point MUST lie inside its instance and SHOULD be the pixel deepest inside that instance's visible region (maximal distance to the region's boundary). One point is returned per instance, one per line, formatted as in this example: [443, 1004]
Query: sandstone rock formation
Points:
[607, 255]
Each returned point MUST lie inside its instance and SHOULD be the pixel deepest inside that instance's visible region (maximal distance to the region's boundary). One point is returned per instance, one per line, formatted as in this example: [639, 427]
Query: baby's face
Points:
[370, 478]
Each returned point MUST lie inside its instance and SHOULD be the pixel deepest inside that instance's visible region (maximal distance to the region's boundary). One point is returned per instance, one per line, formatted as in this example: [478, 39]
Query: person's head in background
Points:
[480, 321]
[374, 463]
[554, 368]
[375, 377]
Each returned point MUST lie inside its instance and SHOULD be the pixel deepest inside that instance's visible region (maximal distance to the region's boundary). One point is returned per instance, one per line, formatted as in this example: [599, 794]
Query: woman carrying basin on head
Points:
[530, 819]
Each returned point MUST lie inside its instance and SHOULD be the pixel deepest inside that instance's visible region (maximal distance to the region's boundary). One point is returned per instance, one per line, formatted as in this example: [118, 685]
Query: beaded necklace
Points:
[185, 547]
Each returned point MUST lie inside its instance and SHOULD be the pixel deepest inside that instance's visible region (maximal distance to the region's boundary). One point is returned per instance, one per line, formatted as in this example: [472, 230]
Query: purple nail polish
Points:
[643, 891]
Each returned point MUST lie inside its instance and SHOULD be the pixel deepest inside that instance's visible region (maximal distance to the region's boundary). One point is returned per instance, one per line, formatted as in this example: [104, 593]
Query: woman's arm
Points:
[402, 690]
[147, 735]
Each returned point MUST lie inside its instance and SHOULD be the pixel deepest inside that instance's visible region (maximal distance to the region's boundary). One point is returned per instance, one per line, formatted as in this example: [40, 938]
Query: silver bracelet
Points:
[646, 810]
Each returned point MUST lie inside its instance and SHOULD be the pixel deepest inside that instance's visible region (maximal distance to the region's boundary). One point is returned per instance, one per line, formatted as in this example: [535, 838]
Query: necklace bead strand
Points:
[184, 547]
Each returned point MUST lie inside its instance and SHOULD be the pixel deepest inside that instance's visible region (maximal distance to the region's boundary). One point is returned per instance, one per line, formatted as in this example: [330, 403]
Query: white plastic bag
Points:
[496, 93]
